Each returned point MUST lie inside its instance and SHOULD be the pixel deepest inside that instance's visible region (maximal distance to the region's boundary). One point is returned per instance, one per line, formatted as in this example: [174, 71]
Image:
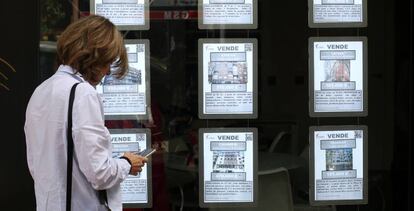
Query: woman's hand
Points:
[137, 162]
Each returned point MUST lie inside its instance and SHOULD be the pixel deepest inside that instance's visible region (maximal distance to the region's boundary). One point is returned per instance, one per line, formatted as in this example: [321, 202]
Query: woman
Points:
[86, 50]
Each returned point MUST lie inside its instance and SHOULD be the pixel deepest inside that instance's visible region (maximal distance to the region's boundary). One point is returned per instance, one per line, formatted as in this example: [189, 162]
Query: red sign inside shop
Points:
[165, 14]
[173, 15]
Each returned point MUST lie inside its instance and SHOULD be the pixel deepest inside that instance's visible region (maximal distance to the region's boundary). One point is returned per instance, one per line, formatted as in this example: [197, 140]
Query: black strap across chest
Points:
[102, 193]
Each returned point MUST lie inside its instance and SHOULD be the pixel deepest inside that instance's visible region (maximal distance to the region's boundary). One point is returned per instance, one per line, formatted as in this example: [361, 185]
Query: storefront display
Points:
[227, 14]
[136, 190]
[128, 97]
[338, 76]
[125, 14]
[228, 167]
[338, 165]
[227, 78]
[337, 13]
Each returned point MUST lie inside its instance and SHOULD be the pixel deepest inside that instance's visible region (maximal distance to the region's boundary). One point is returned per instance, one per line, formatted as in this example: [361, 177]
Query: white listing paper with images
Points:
[122, 12]
[338, 76]
[339, 165]
[134, 188]
[126, 96]
[227, 11]
[337, 11]
[228, 78]
[228, 167]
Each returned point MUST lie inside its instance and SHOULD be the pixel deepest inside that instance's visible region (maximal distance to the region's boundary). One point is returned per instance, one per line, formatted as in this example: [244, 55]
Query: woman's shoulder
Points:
[85, 88]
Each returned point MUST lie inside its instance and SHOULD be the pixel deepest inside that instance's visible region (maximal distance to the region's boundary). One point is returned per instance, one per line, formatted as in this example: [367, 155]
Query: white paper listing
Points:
[227, 11]
[339, 170]
[122, 12]
[134, 188]
[228, 167]
[338, 76]
[228, 78]
[127, 96]
[337, 11]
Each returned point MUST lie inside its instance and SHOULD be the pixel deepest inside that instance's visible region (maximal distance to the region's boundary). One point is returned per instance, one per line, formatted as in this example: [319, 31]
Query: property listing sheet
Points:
[127, 95]
[227, 12]
[134, 188]
[228, 78]
[338, 76]
[339, 165]
[338, 11]
[121, 12]
[228, 167]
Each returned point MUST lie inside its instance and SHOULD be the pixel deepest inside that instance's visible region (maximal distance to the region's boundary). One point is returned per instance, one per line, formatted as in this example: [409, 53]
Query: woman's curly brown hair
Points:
[90, 44]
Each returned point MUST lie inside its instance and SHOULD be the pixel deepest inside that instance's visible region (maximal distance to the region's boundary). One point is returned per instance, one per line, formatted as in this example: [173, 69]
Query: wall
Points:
[19, 25]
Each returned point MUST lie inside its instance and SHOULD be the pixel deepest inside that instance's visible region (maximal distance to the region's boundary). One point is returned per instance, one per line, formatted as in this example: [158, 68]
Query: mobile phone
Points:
[147, 152]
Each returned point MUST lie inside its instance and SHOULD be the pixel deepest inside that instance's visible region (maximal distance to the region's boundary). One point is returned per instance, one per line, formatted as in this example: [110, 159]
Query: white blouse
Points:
[46, 140]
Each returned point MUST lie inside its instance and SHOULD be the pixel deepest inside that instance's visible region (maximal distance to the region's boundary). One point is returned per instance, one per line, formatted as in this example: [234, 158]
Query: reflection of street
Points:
[228, 161]
[3, 76]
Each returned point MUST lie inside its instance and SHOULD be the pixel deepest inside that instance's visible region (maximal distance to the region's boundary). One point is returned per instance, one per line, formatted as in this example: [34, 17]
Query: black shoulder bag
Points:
[102, 193]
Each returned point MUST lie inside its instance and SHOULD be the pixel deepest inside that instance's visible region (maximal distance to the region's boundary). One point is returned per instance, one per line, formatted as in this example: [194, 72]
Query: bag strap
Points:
[70, 150]
[102, 193]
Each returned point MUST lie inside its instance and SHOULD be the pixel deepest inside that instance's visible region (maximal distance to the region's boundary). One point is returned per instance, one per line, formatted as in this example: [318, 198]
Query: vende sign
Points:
[173, 15]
